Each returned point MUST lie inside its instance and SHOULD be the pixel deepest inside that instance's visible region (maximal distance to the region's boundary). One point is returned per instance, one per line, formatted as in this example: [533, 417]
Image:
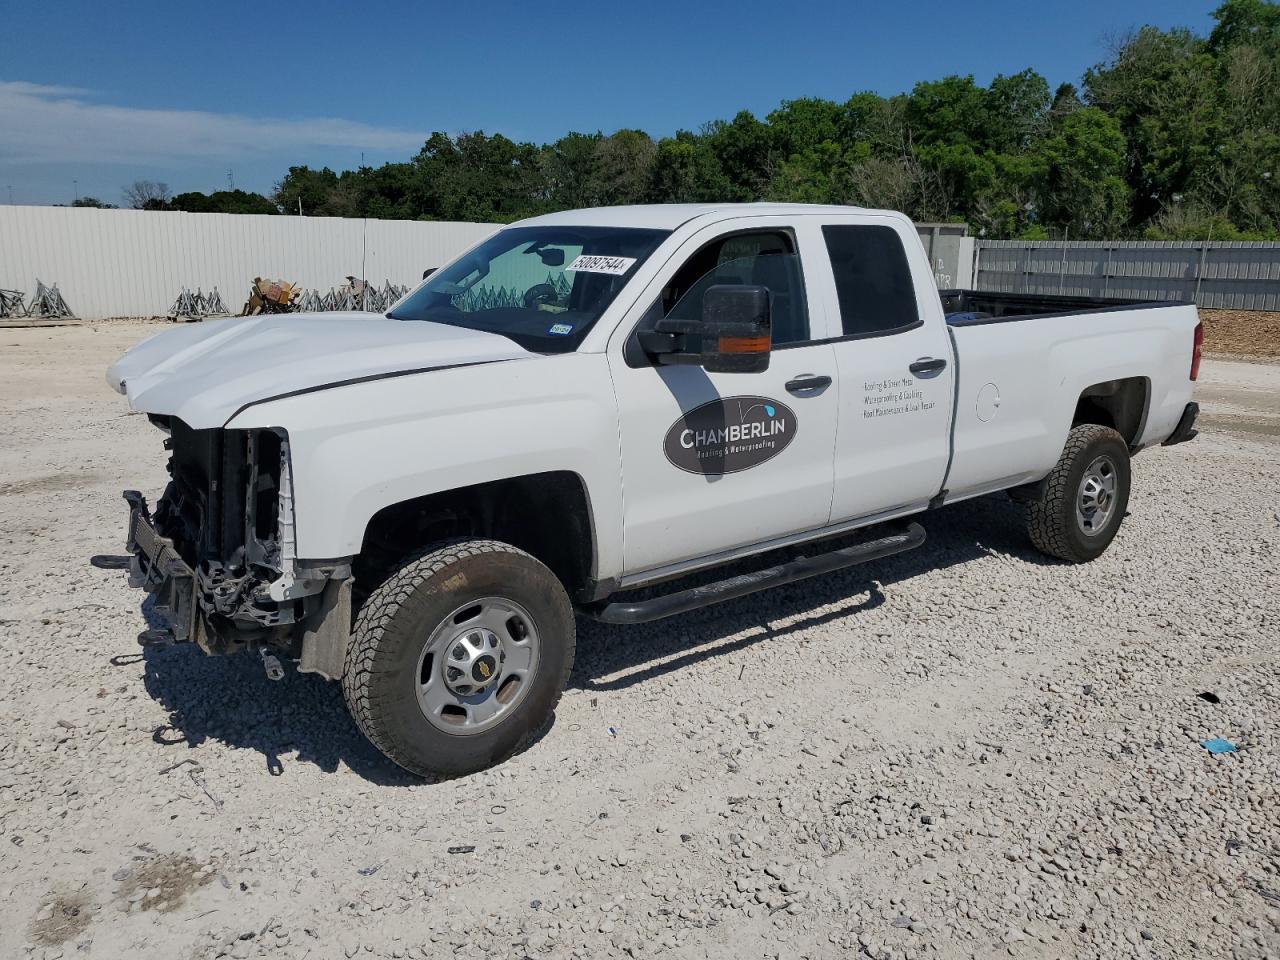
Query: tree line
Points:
[1173, 136]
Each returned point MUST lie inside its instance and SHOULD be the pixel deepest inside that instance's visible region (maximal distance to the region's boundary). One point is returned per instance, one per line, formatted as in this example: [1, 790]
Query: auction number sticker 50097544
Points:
[597, 263]
[730, 435]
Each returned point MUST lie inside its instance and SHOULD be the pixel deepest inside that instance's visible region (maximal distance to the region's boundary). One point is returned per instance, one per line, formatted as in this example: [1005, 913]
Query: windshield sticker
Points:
[592, 263]
[560, 329]
[730, 435]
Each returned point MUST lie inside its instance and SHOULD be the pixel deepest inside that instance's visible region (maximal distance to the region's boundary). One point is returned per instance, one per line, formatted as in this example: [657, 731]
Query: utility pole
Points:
[77, 186]
[364, 239]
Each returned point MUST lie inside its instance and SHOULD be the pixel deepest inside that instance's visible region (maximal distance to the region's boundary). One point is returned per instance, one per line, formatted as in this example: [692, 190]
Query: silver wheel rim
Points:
[1097, 497]
[477, 665]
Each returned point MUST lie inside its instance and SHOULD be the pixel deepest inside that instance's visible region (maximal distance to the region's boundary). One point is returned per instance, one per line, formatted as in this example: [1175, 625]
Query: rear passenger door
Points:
[894, 361]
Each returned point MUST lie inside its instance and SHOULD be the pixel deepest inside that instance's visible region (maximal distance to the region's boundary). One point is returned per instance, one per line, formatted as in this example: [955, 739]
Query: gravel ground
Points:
[965, 751]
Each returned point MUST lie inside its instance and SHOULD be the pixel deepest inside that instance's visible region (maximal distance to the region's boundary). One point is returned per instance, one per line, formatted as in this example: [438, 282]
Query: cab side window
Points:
[762, 259]
[873, 280]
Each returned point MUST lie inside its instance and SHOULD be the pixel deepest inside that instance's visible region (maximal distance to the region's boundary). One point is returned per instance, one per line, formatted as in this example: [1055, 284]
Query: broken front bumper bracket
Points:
[157, 567]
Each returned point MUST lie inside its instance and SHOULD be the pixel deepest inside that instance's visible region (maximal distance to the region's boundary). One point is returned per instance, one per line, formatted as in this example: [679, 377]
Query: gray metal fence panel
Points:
[1240, 275]
[943, 243]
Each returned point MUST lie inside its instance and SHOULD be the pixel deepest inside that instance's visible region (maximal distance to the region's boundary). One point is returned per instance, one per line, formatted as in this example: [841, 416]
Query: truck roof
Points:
[668, 216]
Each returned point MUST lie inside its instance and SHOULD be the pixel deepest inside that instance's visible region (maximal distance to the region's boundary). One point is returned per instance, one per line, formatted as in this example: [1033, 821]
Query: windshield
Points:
[542, 287]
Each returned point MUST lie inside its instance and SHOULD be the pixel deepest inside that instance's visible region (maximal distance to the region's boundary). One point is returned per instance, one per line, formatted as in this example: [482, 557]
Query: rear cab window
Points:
[876, 294]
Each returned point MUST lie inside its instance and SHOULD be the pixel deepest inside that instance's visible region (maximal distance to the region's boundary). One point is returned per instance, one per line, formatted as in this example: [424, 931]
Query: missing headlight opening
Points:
[229, 511]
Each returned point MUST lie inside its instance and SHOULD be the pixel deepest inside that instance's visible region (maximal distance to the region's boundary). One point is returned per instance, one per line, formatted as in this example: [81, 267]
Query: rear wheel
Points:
[1083, 500]
[459, 659]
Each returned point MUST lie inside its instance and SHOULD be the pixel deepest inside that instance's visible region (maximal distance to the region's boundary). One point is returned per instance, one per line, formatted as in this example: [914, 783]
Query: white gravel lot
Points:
[965, 751]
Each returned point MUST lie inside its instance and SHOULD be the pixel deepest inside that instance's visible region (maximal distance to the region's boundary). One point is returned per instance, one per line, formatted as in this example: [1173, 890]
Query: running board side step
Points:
[642, 611]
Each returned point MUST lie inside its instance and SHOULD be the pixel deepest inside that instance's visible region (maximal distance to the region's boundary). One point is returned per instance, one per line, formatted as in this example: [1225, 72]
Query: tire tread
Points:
[380, 609]
[1047, 520]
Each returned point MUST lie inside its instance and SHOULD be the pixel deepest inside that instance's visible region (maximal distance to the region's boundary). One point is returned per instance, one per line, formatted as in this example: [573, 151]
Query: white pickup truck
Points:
[597, 401]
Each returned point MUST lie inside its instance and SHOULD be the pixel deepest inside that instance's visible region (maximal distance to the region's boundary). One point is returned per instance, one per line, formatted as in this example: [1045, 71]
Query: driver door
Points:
[716, 461]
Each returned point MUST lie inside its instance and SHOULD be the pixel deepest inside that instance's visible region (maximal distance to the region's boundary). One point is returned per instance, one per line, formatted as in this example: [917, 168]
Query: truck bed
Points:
[1018, 385]
[970, 307]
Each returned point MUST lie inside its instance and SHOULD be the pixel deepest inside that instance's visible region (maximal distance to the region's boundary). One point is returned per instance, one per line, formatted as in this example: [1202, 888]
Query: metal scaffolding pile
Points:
[46, 304]
[354, 295]
[197, 306]
[267, 296]
[13, 303]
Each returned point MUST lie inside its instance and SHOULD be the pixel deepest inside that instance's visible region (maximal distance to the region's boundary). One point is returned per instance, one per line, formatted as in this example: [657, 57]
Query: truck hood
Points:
[204, 373]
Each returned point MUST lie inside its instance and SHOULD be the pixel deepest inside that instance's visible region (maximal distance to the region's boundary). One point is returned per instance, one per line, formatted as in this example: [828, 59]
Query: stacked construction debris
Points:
[276, 296]
[269, 296]
[197, 306]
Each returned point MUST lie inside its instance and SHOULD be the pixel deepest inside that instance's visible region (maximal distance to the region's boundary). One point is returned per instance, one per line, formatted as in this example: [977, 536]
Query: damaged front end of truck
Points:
[218, 554]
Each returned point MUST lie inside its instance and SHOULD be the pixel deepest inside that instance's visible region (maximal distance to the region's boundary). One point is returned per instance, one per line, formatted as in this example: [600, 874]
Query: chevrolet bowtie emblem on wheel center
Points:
[474, 661]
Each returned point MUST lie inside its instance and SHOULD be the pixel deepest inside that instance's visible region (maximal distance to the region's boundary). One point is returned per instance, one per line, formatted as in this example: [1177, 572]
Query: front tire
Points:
[459, 659]
[1083, 500]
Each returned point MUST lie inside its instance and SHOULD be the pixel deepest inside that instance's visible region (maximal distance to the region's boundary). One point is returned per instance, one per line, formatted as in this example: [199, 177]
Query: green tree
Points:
[223, 201]
[951, 111]
[1017, 109]
[1252, 22]
[624, 168]
[813, 176]
[745, 153]
[685, 170]
[1083, 191]
[801, 125]
[480, 178]
[390, 192]
[571, 169]
[1161, 88]
[306, 191]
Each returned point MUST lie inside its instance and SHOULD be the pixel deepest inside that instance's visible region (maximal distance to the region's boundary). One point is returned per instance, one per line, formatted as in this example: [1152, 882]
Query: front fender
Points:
[358, 448]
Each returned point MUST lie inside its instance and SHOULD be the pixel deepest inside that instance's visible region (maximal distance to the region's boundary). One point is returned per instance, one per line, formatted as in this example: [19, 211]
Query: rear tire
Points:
[459, 659]
[1083, 500]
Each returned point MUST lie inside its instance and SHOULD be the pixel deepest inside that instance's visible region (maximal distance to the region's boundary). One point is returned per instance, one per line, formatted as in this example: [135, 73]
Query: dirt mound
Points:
[1244, 333]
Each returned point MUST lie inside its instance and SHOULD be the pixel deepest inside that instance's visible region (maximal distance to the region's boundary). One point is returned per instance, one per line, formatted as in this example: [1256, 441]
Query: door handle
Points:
[807, 383]
[927, 366]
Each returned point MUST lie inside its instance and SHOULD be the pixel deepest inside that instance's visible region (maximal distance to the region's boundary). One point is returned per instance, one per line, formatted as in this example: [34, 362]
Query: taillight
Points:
[1196, 348]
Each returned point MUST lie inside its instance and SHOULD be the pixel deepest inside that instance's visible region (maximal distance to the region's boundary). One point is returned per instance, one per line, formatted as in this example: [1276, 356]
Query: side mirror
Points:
[428, 272]
[737, 329]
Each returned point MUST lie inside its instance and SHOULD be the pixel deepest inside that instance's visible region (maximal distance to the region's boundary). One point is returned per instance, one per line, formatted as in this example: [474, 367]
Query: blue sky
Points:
[105, 94]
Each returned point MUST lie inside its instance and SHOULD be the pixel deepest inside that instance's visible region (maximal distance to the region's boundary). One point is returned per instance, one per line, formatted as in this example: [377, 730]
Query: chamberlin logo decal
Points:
[730, 435]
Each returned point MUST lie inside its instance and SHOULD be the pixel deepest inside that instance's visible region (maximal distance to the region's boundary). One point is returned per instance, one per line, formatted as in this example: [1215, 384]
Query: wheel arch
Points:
[1120, 404]
[548, 515]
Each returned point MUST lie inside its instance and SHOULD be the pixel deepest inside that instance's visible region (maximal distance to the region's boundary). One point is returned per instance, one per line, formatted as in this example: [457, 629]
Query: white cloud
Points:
[52, 124]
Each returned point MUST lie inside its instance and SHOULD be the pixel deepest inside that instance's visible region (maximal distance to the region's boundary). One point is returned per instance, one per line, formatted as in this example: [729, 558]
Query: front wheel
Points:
[460, 657]
[1083, 500]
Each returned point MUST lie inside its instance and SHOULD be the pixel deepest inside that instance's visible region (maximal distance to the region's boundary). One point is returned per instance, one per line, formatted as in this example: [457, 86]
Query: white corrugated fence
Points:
[117, 263]
[111, 263]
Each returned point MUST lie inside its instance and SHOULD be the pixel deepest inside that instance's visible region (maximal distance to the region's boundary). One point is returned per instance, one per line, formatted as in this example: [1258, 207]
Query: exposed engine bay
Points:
[227, 514]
